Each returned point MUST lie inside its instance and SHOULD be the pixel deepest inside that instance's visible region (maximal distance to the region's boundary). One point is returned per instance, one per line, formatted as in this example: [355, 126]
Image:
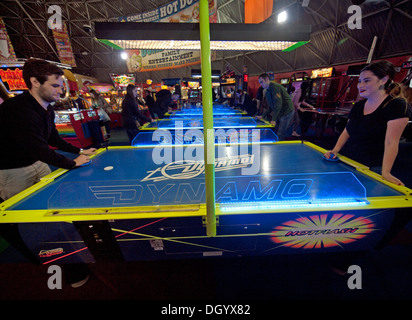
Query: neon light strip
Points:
[245, 206]
[161, 144]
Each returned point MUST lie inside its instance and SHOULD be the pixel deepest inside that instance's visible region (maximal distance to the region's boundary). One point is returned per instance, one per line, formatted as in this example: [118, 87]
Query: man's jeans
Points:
[283, 124]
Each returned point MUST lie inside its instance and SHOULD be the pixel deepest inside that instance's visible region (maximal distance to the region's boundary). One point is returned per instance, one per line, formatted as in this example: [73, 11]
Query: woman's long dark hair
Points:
[386, 68]
[129, 91]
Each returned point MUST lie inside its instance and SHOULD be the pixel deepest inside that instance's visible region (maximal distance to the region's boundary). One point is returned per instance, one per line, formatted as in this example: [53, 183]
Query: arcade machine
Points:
[65, 107]
[120, 82]
[194, 94]
[297, 78]
[286, 83]
[228, 87]
[324, 91]
[197, 76]
[349, 93]
[324, 86]
[407, 82]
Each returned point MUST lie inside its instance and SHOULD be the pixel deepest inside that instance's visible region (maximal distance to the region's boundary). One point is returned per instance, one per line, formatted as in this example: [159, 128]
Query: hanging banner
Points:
[257, 11]
[63, 45]
[150, 60]
[175, 11]
[6, 49]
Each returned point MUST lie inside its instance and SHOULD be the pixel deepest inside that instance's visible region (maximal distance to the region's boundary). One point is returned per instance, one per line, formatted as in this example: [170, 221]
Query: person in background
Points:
[244, 101]
[280, 111]
[150, 104]
[103, 110]
[376, 123]
[174, 105]
[163, 102]
[131, 116]
[140, 99]
[296, 119]
[301, 107]
[113, 102]
[261, 101]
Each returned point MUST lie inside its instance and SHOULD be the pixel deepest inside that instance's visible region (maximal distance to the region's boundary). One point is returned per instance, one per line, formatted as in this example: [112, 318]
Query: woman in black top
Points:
[306, 118]
[244, 102]
[150, 103]
[163, 102]
[376, 123]
[131, 113]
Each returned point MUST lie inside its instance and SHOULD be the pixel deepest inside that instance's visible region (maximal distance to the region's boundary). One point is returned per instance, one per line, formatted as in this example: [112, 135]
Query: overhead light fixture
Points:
[282, 17]
[186, 36]
[123, 55]
[197, 73]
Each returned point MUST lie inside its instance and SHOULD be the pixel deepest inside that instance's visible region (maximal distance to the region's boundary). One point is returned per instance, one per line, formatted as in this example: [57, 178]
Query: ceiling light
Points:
[185, 36]
[123, 55]
[282, 17]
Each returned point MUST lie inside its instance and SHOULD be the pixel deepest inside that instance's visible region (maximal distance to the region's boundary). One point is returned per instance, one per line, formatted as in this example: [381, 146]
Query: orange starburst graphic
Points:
[322, 231]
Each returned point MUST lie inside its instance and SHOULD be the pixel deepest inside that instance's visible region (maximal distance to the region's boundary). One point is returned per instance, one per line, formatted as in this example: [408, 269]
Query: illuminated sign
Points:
[101, 88]
[123, 80]
[13, 79]
[193, 84]
[407, 65]
[228, 81]
[322, 231]
[322, 73]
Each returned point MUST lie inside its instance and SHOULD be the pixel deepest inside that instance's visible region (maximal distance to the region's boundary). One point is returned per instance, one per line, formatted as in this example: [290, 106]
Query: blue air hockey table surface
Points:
[197, 123]
[149, 203]
[198, 113]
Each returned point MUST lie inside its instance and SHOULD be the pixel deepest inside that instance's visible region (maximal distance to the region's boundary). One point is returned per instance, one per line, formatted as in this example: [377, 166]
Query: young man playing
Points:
[27, 130]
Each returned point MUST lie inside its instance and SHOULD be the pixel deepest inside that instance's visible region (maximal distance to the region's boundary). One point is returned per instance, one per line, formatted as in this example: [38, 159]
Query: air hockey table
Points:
[197, 123]
[195, 113]
[137, 203]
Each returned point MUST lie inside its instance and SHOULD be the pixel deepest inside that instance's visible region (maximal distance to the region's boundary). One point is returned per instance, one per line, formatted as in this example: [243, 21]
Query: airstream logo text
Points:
[190, 169]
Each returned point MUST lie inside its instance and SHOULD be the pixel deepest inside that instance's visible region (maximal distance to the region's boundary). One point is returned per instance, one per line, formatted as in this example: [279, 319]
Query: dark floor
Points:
[386, 274]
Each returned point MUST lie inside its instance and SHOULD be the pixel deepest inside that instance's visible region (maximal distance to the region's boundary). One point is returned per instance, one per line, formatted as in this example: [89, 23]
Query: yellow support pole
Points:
[208, 131]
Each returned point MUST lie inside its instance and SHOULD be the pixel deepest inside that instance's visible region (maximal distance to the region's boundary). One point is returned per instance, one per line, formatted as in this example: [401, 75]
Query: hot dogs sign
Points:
[175, 11]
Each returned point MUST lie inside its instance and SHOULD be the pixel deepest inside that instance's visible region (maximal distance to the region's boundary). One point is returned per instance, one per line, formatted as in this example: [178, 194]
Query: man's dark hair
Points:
[40, 69]
[264, 76]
